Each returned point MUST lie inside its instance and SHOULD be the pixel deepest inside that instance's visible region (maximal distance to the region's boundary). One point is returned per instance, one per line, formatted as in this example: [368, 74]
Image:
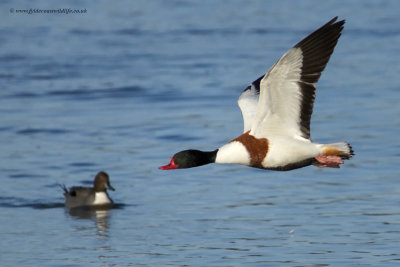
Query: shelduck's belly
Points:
[288, 152]
[272, 153]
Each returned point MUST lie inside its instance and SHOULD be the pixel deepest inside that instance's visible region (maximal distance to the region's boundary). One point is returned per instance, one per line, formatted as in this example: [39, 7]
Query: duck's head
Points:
[102, 182]
[189, 159]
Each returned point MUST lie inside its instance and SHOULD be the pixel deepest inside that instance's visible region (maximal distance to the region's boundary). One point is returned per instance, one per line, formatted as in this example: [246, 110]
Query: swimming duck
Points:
[78, 196]
[276, 110]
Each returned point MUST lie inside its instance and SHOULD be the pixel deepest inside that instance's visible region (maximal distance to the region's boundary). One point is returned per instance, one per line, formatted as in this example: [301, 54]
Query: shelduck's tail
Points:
[341, 149]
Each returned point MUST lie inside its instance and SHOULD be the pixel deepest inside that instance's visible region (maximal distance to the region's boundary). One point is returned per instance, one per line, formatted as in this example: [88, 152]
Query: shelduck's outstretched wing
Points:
[287, 91]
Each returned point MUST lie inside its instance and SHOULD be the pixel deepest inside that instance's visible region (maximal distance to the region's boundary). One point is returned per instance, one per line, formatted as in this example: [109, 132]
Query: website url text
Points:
[31, 11]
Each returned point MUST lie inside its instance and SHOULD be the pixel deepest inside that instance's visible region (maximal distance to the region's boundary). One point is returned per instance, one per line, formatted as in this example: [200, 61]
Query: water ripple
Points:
[31, 131]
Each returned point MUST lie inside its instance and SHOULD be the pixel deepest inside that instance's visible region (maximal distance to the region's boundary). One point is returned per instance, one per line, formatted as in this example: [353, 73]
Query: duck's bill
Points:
[110, 187]
[170, 166]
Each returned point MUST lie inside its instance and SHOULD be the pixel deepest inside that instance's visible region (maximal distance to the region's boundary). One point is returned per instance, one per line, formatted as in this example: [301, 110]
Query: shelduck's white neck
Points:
[233, 153]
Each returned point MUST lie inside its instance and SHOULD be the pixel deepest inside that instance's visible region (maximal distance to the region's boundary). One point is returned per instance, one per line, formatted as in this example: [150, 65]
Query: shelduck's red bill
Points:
[169, 166]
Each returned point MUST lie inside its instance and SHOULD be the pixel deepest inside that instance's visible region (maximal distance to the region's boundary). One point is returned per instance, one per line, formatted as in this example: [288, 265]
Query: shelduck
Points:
[276, 111]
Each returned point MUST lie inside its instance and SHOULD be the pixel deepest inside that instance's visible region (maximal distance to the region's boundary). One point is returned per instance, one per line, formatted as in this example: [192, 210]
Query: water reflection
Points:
[100, 215]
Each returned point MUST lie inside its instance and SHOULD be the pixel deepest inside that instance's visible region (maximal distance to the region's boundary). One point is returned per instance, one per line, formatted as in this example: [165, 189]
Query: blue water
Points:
[126, 85]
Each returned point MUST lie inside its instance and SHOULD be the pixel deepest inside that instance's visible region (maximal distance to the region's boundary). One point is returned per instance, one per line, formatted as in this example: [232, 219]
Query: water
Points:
[124, 86]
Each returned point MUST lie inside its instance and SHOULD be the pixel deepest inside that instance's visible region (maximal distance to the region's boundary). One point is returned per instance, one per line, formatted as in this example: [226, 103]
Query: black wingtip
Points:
[316, 49]
[331, 27]
[332, 21]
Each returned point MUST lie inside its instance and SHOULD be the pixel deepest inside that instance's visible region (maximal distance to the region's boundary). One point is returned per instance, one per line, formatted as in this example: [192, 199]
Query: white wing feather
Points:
[279, 104]
[248, 103]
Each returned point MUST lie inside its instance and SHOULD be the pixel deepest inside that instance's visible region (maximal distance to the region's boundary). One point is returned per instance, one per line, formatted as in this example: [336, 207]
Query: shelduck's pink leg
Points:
[328, 161]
